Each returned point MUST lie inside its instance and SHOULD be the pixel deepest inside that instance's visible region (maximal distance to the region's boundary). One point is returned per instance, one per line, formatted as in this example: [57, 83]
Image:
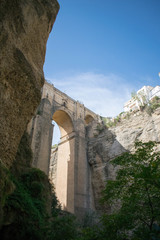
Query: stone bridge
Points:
[73, 176]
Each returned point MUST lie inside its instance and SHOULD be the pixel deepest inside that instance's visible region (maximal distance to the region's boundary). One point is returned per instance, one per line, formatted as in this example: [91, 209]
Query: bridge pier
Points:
[41, 131]
[82, 178]
[65, 173]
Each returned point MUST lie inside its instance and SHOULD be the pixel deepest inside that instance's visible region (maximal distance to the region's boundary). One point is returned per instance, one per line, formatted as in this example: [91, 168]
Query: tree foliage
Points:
[32, 211]
[28, 204]
[134, 195]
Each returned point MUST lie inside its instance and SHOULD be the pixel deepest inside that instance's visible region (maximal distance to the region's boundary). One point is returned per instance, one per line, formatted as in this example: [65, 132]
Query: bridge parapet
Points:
[61, 99]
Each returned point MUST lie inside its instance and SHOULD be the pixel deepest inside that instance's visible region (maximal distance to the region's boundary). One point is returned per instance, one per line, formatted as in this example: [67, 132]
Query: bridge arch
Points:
[64, 180]
[64, 121]
[88, 119]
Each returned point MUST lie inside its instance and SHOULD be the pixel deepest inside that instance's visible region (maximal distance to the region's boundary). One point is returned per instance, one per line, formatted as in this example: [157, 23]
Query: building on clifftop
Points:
[141, 97]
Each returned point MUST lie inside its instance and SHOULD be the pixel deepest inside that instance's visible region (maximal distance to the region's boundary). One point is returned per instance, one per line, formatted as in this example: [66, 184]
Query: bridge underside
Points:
[64, 184]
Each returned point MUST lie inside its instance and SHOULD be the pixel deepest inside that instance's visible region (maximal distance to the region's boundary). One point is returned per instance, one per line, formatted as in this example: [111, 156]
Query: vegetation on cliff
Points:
[133, 196]
[31, 210]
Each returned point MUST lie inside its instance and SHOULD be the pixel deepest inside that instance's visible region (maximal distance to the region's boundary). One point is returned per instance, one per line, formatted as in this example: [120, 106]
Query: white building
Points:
[143, 96]
[154, 92]
[131, 105]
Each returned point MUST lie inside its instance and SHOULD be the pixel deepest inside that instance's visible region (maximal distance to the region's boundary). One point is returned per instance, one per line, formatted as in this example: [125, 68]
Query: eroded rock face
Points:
[139, 126]
[24, 28]
[112, 142]
[53, 165]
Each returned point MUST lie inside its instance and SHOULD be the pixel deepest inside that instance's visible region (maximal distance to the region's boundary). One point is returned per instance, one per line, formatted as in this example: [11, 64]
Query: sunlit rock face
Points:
[24, 28]
[112, 142]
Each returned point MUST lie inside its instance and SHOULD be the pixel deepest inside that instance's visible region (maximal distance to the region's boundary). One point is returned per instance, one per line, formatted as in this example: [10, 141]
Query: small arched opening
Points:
[88, 119]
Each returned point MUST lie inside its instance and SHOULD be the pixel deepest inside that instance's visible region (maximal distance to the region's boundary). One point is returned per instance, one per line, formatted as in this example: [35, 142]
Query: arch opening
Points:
[56, 134]
[62, 161]
[88, 119]
[64, 122]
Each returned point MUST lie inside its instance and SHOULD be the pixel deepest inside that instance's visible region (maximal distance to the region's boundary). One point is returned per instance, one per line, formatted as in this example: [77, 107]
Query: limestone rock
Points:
[53, 165]
[24, 28]
[140, 127]
[112, 142]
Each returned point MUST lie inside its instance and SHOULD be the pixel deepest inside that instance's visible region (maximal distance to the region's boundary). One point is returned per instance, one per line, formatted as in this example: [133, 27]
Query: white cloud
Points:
[103, 94]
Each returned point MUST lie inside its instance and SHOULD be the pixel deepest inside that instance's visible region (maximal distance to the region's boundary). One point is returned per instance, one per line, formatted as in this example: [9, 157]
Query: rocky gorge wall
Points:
[104, 144]
[24, 28]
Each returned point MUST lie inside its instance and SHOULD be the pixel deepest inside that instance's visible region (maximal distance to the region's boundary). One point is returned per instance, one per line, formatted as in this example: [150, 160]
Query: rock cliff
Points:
[53, 165]
[105, 144]
[24, 28]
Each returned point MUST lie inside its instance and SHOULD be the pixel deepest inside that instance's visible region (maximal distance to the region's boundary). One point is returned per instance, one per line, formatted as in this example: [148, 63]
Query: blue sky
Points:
[99, 51]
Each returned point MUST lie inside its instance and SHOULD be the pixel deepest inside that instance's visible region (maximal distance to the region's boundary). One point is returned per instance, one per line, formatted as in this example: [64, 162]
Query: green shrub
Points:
[112, 123]
[134, 195]
[27, 208]
[63, 227]
[100, 128]
[152, 105]
[28, 203]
